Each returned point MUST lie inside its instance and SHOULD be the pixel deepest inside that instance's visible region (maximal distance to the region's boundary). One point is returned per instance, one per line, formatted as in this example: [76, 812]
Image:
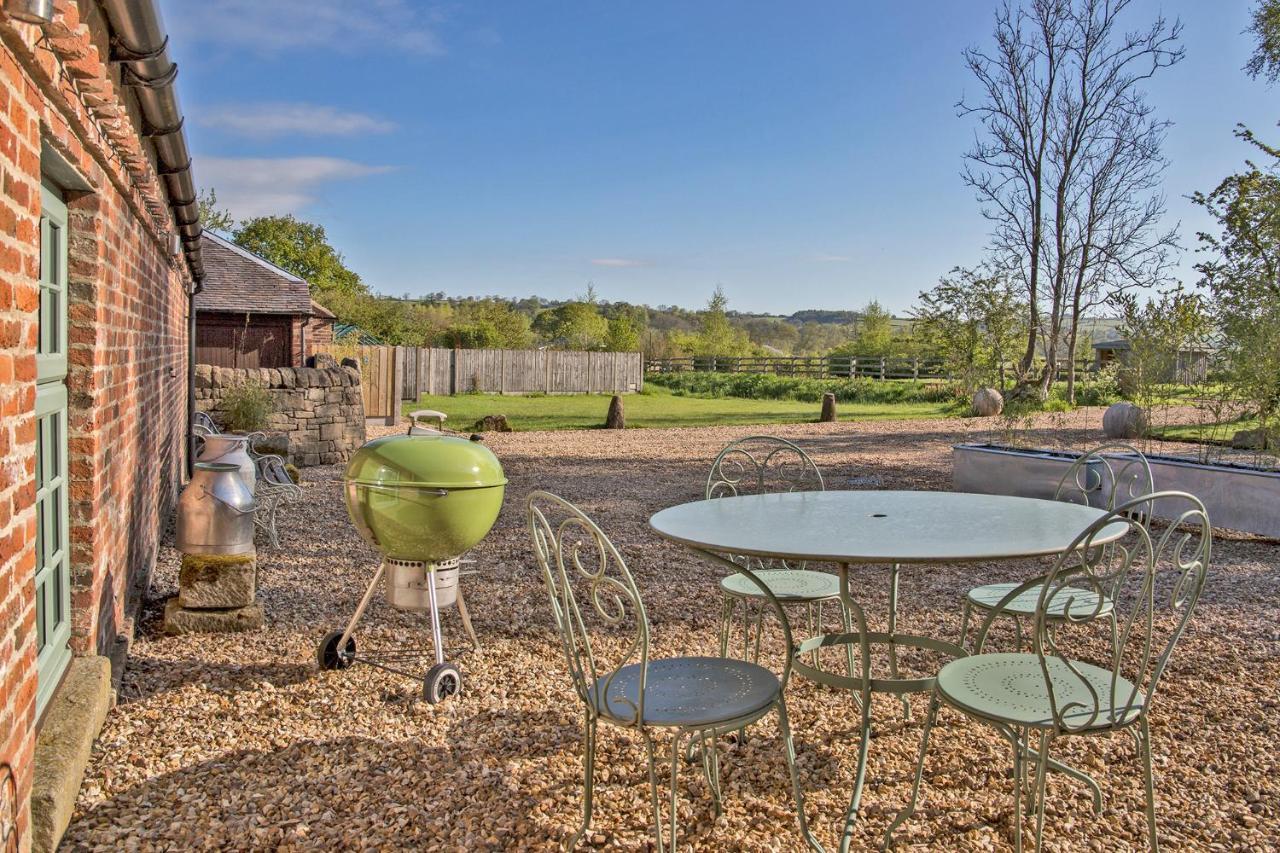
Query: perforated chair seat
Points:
[1084, 603]
[1009, 687]
[697, 692]
[785, 584]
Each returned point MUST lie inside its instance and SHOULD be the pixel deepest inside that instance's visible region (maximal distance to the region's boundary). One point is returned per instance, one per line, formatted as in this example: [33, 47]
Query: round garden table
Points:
[890, 528]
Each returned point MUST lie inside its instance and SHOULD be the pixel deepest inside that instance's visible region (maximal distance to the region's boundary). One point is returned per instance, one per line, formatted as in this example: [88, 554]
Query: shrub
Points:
[245, 407]
[767, 386]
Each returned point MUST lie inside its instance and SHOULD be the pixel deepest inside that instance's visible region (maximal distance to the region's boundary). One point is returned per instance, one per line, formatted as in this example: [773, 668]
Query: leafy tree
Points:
[1265, 61]
[821, 338]
[1159, 331]
[303, 249]
[875, 331]
[1243, 276]
[716, 335]
[574, 326]
[627, 327]
[488, 323]
[974, 321]
[211, 216]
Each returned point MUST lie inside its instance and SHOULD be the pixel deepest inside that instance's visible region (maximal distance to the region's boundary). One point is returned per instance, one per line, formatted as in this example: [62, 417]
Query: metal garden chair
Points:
[275, 487]
[1097, 478]
[756, 465]
[605, 635]
[1083, 682]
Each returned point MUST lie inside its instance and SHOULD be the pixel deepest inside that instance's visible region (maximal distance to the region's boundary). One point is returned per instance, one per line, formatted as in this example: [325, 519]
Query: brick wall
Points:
[127, 349]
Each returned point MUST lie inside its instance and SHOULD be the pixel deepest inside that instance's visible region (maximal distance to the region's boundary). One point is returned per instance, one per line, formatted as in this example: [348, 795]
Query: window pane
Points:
[55, 446]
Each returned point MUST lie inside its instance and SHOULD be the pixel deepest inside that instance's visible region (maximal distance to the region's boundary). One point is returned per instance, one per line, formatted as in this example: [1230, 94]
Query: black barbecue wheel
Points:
[443, 680]
[327, 652]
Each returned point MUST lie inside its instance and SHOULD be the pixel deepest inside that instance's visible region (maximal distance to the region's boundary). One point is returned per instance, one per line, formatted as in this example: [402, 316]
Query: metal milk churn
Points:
[234, 449]
[215, 511]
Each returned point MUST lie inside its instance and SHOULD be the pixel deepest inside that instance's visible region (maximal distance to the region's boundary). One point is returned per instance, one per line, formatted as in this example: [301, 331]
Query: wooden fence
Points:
[820, 366]
[391, 374]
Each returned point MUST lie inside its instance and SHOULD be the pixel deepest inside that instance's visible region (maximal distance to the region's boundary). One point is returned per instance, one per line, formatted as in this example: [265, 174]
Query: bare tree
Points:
[1066, 163]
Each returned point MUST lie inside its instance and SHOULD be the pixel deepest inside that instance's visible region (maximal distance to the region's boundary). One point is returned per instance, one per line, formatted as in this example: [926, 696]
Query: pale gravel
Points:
[238, 742]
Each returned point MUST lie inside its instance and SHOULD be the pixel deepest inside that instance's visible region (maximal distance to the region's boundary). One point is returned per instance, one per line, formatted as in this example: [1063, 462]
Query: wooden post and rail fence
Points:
[390, 374]
[823, 366]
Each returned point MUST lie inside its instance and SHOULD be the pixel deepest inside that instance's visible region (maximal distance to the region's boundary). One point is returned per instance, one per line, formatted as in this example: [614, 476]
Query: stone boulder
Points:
[987, 402]
[323, 361]
[1254, 439]
[616, 418]
[1124, 420]
[493, 423]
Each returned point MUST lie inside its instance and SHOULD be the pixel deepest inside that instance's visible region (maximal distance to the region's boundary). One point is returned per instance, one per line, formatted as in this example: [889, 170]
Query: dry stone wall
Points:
[318, 411]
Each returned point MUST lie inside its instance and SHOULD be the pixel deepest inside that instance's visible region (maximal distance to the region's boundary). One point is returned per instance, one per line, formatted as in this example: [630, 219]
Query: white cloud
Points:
[263, 121]
[260, 186]
[618, 262]
[832, 259]
[272, 26]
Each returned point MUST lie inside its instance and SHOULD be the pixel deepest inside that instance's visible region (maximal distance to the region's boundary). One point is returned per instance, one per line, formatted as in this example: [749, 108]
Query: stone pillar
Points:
[616, 419]
[828, 408]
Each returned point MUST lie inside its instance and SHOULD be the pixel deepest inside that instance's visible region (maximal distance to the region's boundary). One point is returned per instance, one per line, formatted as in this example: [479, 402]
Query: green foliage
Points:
[573, 326]
[1265, 26]
[764, 386]
[624, 332]
[715, 335]
[303, 249]
[974, 320]
[1099, 388]
[211, 216]
[488, 323]
[1244, 278]
[875, 331]
[245, 407]
[1158, 331]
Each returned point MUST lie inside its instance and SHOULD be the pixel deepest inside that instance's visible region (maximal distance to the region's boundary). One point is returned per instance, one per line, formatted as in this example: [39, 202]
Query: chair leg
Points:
[789, 752]
[1019, 778]
[588, 780]
[965, 610]
[727, 605]
[653, 790]
[675, 781]
[711, 767]
[905, 814]
[1042, 765]
[1149, 784]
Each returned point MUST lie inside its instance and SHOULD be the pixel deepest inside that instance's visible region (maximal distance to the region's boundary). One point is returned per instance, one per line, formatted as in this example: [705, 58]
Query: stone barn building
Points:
[100, 255]
[252, 314]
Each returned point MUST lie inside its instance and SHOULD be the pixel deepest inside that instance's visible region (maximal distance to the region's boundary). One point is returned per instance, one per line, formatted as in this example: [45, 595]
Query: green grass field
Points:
[657, 407]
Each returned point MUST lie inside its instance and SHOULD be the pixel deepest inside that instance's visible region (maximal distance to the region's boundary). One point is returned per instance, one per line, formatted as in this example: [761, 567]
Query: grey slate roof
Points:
[238, 280]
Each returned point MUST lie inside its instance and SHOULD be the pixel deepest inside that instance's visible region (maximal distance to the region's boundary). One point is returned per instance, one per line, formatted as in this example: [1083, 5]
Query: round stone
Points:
[1124, 420]
[987, 402]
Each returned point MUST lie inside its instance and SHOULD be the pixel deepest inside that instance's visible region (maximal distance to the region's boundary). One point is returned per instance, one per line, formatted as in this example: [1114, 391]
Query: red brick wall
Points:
[127, 349]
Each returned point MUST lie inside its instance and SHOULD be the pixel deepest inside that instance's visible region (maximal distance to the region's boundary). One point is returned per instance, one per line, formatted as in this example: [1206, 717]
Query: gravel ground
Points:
[238, 742]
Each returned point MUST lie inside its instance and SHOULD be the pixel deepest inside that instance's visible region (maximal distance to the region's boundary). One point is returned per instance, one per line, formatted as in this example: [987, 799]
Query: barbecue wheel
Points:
[442, 681]
[327, 652]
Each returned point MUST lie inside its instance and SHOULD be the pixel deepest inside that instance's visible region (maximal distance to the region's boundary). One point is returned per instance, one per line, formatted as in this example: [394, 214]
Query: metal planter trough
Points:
[1237, 496]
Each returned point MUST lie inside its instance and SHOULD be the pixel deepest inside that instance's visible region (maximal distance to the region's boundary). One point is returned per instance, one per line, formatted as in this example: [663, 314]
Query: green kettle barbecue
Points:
[422, 500]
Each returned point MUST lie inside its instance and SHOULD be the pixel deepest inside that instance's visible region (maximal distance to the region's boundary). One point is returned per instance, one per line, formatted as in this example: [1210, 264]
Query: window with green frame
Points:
[52, 578]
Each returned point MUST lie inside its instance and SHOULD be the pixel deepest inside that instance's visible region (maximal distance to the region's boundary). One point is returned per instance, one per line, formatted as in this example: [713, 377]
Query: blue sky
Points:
[803, 155]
